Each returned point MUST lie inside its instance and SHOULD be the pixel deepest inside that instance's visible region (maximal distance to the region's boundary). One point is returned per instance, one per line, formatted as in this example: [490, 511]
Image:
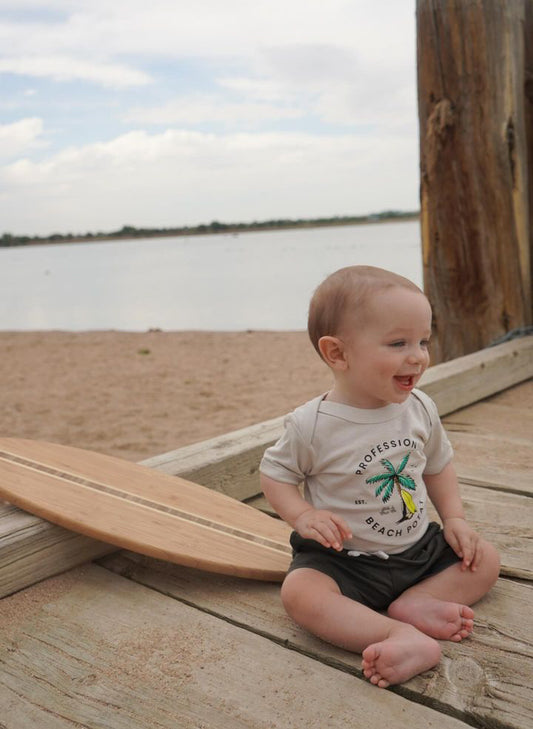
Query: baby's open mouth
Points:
[406, 382]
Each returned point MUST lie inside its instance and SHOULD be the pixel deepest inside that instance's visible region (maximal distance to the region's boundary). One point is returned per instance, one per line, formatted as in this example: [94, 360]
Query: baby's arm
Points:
[310, 523]
[443, 490]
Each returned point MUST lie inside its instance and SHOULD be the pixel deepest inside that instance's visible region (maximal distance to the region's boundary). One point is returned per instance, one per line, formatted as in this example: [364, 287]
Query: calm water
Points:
[257, 280]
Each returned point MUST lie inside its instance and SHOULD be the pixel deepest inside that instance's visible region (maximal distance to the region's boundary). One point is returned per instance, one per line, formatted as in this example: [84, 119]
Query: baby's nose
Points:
[416, 355]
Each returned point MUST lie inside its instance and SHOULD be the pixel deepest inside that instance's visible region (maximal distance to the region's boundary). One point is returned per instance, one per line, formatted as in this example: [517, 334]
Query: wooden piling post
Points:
[528, 112]
[474, 170]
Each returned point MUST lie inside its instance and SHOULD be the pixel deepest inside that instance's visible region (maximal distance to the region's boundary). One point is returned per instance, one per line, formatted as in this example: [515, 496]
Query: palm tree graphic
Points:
[395, 477]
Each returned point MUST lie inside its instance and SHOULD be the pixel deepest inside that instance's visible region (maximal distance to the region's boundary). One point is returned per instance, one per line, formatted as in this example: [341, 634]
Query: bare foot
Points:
[404, 654]
[436, 618]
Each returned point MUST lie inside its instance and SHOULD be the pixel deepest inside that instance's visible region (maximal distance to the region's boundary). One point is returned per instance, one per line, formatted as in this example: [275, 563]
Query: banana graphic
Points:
[408, 501]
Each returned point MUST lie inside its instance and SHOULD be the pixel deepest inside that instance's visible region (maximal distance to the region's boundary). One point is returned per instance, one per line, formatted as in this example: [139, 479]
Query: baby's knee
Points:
[292, 596]
[304, 594]
[490, 563]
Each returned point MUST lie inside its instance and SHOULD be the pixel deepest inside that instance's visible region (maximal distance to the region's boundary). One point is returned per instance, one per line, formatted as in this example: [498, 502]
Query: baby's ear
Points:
[332, 351]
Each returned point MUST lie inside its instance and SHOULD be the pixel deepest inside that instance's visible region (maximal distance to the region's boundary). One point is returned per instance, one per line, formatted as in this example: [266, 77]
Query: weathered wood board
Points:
[493, 461]
[492, 440]
[506, 520]
[485, 679]
[105, 652]
[512, 422]
[167, 647]
[520, 398]
[33, 549]
[469, 379]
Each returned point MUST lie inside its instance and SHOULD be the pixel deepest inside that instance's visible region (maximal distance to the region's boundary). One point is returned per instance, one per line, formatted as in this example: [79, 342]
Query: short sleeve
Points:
[438, 449]
[288, 460]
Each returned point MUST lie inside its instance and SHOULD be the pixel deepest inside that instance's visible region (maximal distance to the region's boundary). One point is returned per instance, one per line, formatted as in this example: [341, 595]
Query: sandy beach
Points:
[135, 395]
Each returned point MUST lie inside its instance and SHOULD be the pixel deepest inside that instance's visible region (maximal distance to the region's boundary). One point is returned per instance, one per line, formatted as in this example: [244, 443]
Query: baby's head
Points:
[341, 299]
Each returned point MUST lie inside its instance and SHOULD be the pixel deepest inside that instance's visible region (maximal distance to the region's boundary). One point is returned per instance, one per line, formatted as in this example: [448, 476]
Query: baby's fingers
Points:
[322, 526]
[344, 530]
[468, 548]
[327, 536]
[478, 554]
[454, 543]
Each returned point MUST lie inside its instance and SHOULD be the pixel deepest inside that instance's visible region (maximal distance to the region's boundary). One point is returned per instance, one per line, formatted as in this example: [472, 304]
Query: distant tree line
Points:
[130, 231]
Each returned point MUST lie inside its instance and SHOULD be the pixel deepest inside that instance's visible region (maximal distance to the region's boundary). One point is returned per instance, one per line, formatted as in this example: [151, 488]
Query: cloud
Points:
[211, 108]
[210, 29]
[181, 28]
[257, 88]
[349, 68]
[20, 137]
[312, 64]
[338, 85]
[317, 81]
[65, 68]
[222, 79]
[182, 177]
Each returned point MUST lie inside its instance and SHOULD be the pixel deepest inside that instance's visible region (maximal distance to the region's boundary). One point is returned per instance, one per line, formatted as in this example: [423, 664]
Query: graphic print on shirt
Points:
[395, 478]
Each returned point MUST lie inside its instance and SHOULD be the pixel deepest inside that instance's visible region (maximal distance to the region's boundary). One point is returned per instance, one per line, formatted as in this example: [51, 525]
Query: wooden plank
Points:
[494, 461]
[489, 417]
[519, 397]
[32, 549]
[466, 380]
[505, 520]
[104, 652]
[486, 680]
[492, 440]
[230, 462]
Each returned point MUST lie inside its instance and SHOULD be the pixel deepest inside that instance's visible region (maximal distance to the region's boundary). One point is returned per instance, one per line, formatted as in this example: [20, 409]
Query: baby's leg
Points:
[439, 605]
[392, 651]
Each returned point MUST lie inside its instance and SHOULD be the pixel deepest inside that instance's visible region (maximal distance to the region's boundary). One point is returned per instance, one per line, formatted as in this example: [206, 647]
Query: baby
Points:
[370, 573]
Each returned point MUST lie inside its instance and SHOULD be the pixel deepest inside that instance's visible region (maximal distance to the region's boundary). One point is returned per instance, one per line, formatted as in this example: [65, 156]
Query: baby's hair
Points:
[347, 290]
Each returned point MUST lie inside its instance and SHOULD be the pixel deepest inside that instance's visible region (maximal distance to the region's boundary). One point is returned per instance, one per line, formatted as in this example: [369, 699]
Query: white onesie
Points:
[364, 465]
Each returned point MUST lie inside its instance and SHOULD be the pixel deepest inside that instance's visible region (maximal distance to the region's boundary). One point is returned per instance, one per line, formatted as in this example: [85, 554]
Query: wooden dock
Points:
[127, 642]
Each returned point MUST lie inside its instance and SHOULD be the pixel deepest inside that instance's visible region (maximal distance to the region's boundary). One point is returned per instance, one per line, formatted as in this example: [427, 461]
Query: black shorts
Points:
[371, 580]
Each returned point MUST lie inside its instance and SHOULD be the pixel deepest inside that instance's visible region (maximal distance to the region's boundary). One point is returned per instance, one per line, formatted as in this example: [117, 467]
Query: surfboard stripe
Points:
[146, 503]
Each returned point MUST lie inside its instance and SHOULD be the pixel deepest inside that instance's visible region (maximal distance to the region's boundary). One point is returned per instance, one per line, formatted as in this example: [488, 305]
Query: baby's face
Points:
[388, 354]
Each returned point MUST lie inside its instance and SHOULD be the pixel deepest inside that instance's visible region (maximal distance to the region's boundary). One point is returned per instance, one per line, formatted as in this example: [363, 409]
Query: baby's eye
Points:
[399, 343]
[425, 343]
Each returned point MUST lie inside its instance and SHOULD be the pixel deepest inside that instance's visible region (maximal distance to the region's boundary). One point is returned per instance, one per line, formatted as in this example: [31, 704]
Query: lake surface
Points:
[259, 280]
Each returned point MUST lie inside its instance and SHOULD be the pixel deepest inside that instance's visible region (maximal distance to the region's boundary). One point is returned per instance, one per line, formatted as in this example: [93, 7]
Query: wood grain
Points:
[474, 176]
[485, 679]
[131, 506]
[110, 653]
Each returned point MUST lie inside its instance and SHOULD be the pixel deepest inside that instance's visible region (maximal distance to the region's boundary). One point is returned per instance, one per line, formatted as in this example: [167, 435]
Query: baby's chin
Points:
[399, 397]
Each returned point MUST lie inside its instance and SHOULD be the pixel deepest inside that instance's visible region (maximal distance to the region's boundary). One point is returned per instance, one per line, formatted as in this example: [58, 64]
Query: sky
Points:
[180, 112]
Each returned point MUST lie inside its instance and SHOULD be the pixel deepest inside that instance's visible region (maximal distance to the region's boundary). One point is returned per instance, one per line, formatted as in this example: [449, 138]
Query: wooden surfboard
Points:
[137, 508]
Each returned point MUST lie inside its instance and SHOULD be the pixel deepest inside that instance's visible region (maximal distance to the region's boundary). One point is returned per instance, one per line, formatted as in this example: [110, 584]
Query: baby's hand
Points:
[324, 527]
[464, 541]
